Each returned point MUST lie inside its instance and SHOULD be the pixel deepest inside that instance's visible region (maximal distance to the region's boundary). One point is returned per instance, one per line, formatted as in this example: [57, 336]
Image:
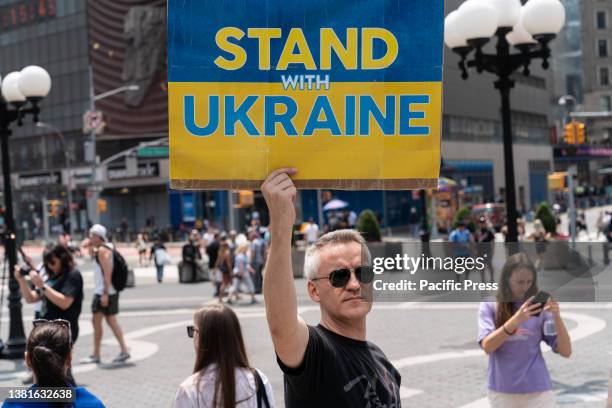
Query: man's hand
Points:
[280, 192]
[104, 300]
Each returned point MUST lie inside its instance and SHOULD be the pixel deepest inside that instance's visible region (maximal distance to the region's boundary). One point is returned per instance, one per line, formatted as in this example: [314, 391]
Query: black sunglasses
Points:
[191, 330]
[59, 322]
[340, 277]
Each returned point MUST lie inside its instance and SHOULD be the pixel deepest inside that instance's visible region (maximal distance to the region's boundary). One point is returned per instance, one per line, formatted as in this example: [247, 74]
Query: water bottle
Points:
[550, 329]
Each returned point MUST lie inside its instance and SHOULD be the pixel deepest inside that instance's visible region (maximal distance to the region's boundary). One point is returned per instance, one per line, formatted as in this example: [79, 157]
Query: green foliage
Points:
[464, 215]
[544, 214]
[367, 225]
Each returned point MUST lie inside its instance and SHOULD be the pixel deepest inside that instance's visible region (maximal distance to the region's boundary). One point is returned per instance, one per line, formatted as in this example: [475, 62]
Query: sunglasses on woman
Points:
[59, 322]
[191, 330]
[340, 277]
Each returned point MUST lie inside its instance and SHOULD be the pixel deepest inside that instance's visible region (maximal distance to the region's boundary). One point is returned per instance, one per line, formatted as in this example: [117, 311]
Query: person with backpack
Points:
[110, 275]
[222, 376]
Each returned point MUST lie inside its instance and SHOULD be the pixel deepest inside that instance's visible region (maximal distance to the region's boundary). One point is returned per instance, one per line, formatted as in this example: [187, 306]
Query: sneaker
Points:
[123, 356]
[90, 360]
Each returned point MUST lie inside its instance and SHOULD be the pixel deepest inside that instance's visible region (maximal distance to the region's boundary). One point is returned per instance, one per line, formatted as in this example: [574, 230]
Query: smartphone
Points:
[541, 297]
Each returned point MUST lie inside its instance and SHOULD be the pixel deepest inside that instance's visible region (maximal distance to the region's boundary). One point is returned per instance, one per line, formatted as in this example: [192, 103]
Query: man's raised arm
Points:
[289, 332]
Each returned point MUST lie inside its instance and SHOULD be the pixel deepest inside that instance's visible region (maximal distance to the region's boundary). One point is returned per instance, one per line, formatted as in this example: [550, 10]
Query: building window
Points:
[602, 47]
[605, 103]
[601, 20]
[604, 76]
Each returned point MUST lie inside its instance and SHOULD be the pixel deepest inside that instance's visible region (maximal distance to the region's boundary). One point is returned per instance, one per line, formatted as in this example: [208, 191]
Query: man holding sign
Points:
[331, 364]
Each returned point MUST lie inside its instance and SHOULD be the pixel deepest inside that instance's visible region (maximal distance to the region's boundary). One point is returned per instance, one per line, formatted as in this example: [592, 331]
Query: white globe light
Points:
[519, 35]
[452, 36]
[543, 16]
[476, 19]
[508, 12]
[34, 82]
[10, 88]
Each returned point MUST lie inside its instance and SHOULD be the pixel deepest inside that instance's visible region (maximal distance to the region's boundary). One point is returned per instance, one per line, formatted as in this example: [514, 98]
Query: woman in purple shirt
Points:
[510, 332]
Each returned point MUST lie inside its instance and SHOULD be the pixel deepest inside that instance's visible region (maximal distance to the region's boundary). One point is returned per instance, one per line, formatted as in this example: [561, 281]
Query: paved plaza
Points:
[432, 344]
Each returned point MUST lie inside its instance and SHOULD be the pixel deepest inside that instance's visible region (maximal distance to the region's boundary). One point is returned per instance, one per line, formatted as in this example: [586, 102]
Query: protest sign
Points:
[348, 92]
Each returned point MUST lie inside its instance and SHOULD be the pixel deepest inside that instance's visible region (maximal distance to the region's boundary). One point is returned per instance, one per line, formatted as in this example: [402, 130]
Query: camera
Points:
[25, 270]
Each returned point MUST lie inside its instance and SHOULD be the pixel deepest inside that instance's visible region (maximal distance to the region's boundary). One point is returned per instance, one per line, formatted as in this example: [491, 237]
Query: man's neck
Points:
[354, 329]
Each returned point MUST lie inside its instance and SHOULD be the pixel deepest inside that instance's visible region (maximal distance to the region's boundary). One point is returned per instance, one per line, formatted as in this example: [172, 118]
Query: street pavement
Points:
[432, 344]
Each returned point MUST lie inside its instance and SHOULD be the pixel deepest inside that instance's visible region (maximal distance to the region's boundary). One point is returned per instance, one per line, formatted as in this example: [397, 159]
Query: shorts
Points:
[544, 399]
[111, 309]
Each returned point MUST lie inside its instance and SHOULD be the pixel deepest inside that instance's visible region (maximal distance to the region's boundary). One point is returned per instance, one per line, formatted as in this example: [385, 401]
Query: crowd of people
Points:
[329, 364]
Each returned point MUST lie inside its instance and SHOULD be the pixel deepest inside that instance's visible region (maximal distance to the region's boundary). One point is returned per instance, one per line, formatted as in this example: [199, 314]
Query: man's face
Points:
[345, 303]
[95, 240]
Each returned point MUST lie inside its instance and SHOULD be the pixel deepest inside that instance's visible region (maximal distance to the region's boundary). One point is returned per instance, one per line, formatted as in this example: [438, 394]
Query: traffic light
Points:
[570, 133]
[101, 205]
[580, 132]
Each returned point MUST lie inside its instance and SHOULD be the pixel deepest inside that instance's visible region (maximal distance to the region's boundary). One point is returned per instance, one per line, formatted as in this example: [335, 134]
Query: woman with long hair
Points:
[242, 273]
[49, 356]
[224, 265]
[222, 376]
[510, 332]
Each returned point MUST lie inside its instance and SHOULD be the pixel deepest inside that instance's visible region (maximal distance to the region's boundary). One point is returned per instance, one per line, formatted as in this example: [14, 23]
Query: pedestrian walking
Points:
[141, 247]
[189, 269]
[222, 376]
[311, 231]
[331, 364]
[105, 303]
[540, 236]
[49, 355]
[212, 250]
[257, 259]
[242, 274]
[224, 265]
[510, 332]
[160, 257]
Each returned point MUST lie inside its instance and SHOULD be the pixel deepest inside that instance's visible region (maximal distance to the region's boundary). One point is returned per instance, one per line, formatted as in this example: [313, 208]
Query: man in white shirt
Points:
[311, 231]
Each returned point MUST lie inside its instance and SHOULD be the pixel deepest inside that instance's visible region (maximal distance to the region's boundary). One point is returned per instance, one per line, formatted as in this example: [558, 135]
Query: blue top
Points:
[84, 399]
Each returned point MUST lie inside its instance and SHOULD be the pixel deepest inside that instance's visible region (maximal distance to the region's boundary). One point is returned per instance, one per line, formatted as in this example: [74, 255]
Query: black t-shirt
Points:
[338, 371]
[212, 250]
[69, 284]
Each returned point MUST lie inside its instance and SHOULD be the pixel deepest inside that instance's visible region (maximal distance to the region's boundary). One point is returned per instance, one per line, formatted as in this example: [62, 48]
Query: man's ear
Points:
[313, 291]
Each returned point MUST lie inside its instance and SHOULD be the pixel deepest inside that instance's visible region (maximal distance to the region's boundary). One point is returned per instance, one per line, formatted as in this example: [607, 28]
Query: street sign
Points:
[347, 92]
[153, 152]
[93, 121]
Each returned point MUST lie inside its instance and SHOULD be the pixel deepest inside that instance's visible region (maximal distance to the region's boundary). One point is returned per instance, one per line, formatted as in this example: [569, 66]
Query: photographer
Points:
[61, 293]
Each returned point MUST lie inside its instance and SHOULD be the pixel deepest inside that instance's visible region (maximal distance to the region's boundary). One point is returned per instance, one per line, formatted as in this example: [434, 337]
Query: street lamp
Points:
[67, 155]
[529, 28]
[93, 201]
[568, 102]
[21, 92]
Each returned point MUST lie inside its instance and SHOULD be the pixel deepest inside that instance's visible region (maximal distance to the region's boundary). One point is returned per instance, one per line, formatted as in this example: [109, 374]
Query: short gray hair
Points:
[344, 236]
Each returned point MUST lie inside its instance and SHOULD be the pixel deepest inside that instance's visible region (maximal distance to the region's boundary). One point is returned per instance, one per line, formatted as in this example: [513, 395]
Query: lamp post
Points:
[21, 91]
[529, 28]
[568, 102]
[94, 190]
[67, 155]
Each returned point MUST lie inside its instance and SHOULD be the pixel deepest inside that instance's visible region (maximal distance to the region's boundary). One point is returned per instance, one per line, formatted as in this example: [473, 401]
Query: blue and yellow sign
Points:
[349, 92]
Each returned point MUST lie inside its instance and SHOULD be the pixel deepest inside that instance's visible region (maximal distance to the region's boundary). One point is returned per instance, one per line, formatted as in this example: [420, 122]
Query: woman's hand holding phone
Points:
[526, 311]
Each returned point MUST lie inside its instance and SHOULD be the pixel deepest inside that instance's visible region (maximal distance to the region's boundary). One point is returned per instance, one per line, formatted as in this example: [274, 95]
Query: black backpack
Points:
[120, 270]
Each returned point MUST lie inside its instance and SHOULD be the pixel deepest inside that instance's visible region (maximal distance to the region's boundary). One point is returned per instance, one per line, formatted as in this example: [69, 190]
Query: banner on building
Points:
[348, 92]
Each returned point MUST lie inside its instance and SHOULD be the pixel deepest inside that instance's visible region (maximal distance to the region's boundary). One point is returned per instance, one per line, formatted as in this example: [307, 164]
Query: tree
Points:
[367, 224]
[464, 215]
[544, 214]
